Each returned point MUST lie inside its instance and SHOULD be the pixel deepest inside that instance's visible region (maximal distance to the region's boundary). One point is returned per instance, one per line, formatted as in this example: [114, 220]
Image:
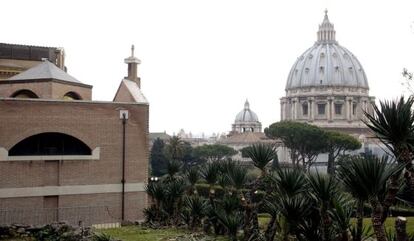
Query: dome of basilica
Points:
[327, 63]
[246, 121]
[246, 115]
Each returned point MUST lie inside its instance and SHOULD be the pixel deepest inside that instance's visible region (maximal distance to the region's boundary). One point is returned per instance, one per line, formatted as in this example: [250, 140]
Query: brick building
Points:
[16, 58]
[66, 157]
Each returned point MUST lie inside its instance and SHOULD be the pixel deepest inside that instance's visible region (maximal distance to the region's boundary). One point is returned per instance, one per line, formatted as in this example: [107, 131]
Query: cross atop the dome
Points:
[132, 50]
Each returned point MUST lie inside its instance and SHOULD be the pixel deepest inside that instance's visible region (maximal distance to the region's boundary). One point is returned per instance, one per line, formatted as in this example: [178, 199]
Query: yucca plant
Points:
[290, 181]
[173, 168]
[323, 188]
[273, 224]
[351, 182]
[230, 203]
[232, 222]
[237, 176]
[293, 210]
[342, 210]
[196, 207]
[157, 192]
[175, 190]
[193, 175]
[261, 155]
[210, 173]
[393, 124]
[372, 174]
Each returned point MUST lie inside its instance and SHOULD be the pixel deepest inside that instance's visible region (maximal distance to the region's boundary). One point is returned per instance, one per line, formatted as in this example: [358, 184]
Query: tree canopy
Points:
[305, 141]
[338, 143]
[158, 158]
[213, 152]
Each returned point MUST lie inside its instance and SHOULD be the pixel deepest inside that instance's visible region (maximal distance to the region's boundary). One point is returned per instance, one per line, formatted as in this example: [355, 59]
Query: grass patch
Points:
[390, 223]
[136, 233]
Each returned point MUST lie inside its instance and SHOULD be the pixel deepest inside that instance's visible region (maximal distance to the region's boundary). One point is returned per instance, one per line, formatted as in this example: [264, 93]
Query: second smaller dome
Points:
[246, 115]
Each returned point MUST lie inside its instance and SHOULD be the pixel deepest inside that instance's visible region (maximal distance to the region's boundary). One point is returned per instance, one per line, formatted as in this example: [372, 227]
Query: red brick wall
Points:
[97, 125]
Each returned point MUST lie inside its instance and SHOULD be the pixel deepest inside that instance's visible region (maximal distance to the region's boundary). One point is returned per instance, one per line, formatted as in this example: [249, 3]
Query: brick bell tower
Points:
[133, 63]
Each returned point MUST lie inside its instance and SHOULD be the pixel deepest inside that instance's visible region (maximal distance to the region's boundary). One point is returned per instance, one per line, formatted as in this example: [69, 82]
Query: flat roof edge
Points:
[72, 101]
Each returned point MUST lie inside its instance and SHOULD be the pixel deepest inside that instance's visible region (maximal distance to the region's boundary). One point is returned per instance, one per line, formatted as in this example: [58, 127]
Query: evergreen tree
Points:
[158, 159]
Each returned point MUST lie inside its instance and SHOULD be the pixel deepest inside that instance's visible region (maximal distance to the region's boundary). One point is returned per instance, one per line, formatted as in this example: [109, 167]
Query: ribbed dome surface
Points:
[246, 115]
[327, 63]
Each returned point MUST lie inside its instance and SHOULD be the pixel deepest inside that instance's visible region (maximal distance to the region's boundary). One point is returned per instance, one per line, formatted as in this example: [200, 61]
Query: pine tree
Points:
[158, 159]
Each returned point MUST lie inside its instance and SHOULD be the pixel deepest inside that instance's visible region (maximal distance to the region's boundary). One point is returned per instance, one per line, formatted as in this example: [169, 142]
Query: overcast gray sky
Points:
[202, 59]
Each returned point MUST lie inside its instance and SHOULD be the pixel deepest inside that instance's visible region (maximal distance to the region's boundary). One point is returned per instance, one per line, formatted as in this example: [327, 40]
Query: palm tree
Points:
[237, 176]
[210, 173]
[196, 207]
[232, 222]
[393, 125]
[193, 175]
[341, 213]
[261, 155]
[294, 210]
[286, 184]
[372, 174]
[352, 184]
[173, 169]
[323, 190]
[175, 148]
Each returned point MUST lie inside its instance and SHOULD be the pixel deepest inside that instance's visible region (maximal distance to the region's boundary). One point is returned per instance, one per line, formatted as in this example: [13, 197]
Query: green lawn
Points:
[389, 223]
[134, 233]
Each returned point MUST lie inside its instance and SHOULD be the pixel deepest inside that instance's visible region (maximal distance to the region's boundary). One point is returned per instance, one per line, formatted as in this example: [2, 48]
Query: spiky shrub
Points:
[342, 211]
[371, 175]
[196, 208]
[290, 182]
[232, 222]
[237, 176]
[210, 173]
[323, 189]
[261, 155]
[193, 175]
[173, 168]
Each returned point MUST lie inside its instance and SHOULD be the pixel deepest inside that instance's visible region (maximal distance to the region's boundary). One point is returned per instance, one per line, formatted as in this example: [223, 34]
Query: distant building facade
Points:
[65, 157]
[16, 58]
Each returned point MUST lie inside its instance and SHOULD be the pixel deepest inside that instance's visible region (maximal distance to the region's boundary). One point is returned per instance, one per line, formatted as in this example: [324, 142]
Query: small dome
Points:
[246, 115]
[327, 63]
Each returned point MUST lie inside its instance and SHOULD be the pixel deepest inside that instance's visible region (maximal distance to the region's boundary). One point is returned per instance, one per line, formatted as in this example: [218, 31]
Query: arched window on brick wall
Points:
[24, 94]
[50, 143]
[72, 96]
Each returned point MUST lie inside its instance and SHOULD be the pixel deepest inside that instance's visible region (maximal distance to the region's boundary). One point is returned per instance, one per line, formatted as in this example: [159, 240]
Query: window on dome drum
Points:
[354, 107]
[321, 109]
[50, 143]
[26, 94]
[305, 109]
[338, 109]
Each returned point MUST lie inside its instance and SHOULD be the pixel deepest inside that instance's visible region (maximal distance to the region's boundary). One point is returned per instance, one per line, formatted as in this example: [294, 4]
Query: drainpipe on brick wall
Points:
[124, 117]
